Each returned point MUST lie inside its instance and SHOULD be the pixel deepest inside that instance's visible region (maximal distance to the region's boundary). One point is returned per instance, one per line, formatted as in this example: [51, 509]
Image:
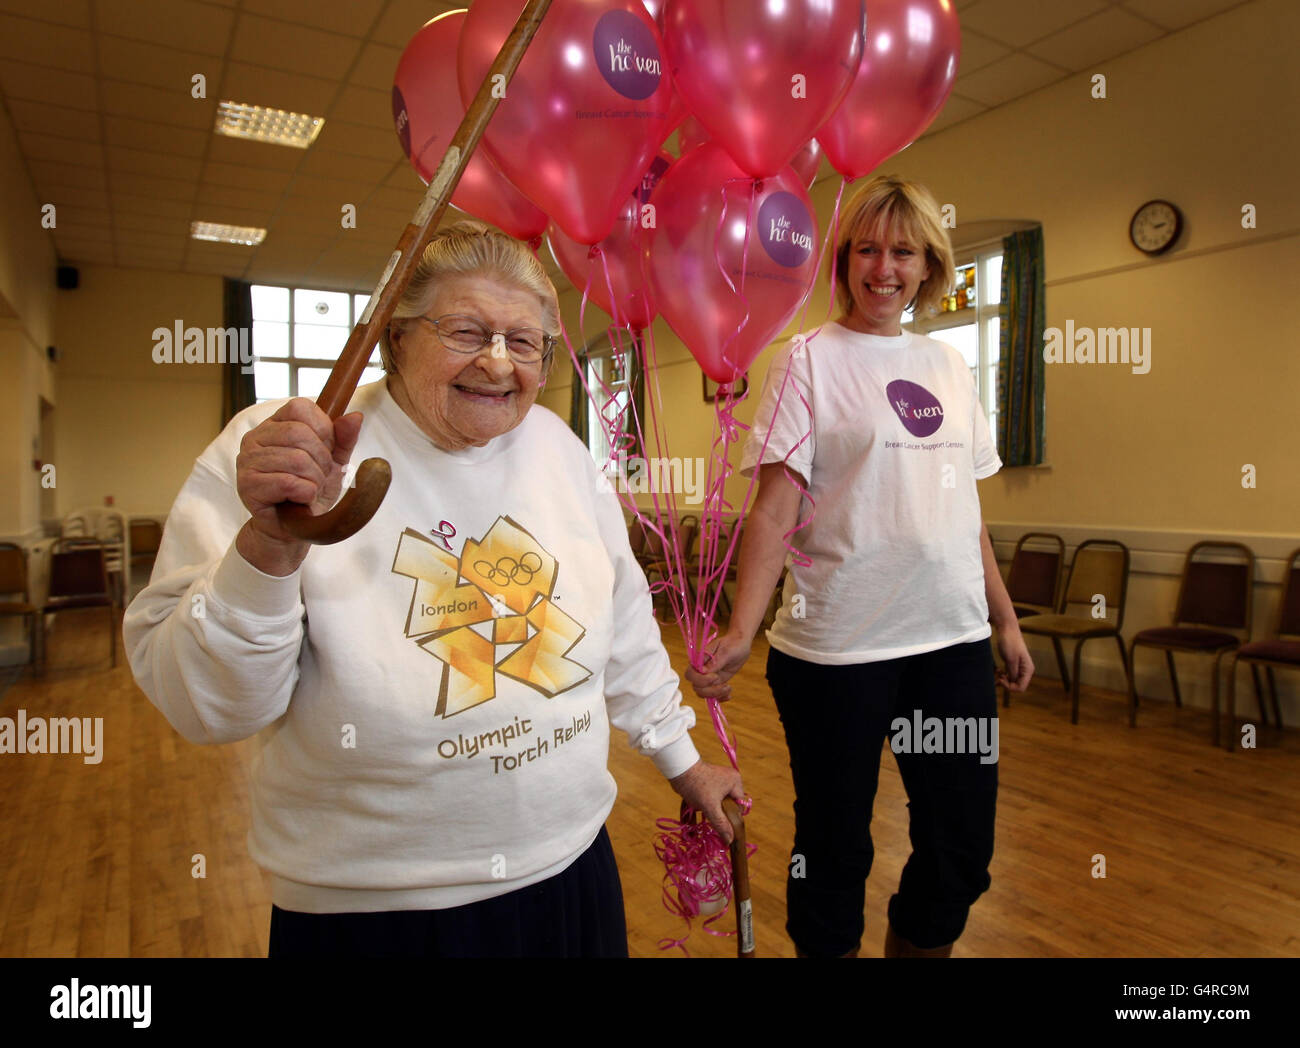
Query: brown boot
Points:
[897, 946]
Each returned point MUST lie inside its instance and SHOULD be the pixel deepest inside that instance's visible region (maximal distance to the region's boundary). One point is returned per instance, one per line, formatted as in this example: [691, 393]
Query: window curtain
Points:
[238, 390]
[1020, 363]
[578, 397]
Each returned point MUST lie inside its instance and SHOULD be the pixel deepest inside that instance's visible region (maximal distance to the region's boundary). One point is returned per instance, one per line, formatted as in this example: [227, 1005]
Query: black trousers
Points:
[836, 719]
[576, 913]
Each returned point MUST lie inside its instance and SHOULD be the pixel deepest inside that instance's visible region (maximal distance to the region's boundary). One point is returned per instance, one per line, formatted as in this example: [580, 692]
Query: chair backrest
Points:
[76, 523]
[146, 537]
[1100, 566]
[1035, 576]
[13, 569]
[1288, 618]
[78, 569]
[688, 528]
[1217, 593]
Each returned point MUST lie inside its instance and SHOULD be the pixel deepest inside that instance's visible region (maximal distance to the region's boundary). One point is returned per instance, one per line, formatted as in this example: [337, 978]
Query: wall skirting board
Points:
[1155, 566]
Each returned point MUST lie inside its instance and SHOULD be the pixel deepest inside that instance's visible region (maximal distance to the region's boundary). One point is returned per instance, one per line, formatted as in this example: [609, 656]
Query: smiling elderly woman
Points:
[435, 694]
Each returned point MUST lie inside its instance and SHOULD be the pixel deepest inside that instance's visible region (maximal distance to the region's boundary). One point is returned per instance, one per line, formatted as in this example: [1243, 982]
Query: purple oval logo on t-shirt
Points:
[919, 409]
[626, 54]
[785, 229]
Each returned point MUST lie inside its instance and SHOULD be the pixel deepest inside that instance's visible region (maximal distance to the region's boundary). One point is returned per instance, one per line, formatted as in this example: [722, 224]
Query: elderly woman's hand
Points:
[721, 662]
[297, 455]
[703, 787]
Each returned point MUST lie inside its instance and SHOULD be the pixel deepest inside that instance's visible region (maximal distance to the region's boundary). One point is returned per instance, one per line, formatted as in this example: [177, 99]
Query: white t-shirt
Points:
[893, 439]
[435, 695]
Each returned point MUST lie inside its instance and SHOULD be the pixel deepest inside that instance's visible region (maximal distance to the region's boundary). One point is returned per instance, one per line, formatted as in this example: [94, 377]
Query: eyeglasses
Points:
[462, 334]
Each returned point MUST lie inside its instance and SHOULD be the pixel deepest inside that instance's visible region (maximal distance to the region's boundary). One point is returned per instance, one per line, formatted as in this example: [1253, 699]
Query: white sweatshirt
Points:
[435, 694]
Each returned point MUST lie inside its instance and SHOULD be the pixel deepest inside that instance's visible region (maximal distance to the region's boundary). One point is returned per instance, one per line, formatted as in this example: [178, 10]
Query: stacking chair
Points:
[1212, 616]
[1034, 583]
[1100, 566]
[13, 583]
[144, 539]
[687, 530]
[79, 579]
[1283, 651]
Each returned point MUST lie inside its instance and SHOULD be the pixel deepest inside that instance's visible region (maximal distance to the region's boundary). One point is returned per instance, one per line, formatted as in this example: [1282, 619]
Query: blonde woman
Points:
[434, 695]
[887, 627]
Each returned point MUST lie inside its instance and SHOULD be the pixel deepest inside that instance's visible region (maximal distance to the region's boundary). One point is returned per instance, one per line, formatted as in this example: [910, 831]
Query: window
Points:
[969, 322]
[606, 377]
[298, 333]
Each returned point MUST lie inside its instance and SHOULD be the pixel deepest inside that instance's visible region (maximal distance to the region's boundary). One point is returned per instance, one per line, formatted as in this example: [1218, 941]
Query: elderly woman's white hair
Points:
[472, 248]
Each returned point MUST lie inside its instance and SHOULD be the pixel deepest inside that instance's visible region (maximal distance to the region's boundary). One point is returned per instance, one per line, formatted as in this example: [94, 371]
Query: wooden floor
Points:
[1202, 847]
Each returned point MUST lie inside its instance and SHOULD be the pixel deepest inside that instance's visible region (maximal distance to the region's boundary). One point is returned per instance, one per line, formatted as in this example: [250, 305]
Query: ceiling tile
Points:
[360, 105]
[140, 239]
[376, 68]
[404, 200]
[294, 92]
[249, 215]
[251, 178]
[140, 259]
[89, 208]
[977, 51]
[165, 67]
[139, 162]
[51, 86]
[155, 223]
[955, 110]
[65, 12]
[146, 186]
[351, 168]
[157, 105]
[1174, 14]
[356, 140]
[52, 178]
[181, 24]
[93, 232]
[61, 150]
[280, 45]
[46, 44]
[163, 138]
[59, 121]
[162, 209]
[1095, 40]
[84, 252]
[231, 196]
[403, 18]
[1007, 78]
[224, 149]
[332, 189]
[1019, 22]
[353, 18]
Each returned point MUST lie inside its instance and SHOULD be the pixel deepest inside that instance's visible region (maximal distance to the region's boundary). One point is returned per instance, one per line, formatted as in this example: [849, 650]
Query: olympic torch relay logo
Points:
[506, 580]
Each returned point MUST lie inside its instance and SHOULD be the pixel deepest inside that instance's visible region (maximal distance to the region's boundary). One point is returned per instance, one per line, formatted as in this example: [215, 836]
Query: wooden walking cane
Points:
[740, 881]
[360, 502]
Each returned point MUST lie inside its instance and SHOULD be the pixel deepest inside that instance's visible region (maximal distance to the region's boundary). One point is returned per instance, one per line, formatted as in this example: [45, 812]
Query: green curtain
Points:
[578, 398]
[1020, 364]
[238, 390]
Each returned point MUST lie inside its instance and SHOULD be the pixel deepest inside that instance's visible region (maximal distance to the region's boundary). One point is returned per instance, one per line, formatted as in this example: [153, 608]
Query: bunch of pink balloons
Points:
[722, 241]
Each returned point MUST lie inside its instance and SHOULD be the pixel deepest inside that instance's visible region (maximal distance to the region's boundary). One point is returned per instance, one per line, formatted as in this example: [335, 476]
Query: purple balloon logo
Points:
[650, 179]
[785, 229]
[401, 121]
[919, 409]
[626, 54]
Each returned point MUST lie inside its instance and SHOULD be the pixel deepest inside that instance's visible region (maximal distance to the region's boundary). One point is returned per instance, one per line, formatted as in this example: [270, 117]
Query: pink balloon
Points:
[584, 113]
[737, 64]
[622, 249]
[426, 113]
[907, 72]
[808, 162]
[682, 261]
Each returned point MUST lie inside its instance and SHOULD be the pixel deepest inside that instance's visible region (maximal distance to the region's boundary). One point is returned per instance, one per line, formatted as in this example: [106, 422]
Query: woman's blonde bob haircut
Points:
[472, 249]
[889, 206]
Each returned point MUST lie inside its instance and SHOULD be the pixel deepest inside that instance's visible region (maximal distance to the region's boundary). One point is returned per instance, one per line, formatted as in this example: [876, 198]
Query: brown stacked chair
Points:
[1283, 650]
[1212, 616]
[13, 581]
[1100, 567]
[1034, 584]
[79, 579]
[687, 531]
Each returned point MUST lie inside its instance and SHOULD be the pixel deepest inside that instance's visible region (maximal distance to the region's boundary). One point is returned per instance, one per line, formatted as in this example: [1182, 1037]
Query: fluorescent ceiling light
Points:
[247, 235]
[275, 126]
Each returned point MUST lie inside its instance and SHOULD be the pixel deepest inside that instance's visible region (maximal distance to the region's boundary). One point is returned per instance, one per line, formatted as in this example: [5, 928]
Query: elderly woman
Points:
[889, 619]
[435, 695]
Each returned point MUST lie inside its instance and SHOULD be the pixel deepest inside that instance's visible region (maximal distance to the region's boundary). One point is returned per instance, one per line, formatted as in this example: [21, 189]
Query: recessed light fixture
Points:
[241, 120]
[249, 236]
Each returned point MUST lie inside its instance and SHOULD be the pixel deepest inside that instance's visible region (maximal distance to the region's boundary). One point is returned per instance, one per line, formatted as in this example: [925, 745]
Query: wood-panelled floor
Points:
[1202, 847]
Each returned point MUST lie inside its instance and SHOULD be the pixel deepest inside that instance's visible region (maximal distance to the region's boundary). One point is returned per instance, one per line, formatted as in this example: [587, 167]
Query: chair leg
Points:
[1232, 699]
[1074, 694]
[1131, 673]
[1060, 663]
[1272, 691]
[112, 634]
[1173, 678]
[1232, 710]
[1214, 683]
[1259, 692]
